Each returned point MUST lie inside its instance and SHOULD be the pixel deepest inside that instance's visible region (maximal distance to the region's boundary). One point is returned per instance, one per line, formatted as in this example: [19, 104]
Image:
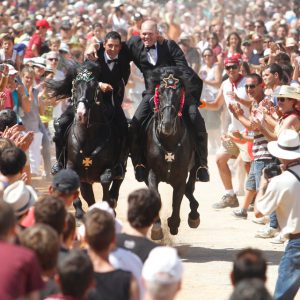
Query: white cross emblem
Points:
[169, 157]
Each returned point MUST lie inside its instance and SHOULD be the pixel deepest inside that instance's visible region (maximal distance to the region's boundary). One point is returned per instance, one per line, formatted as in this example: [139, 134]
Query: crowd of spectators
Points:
[248, 56]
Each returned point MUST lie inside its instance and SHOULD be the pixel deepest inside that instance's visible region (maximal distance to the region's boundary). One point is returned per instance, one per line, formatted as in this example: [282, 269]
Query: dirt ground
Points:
[209, 250]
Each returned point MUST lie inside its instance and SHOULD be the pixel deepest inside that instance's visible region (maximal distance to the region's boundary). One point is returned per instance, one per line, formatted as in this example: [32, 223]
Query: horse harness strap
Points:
[87, 160]
[169, 156]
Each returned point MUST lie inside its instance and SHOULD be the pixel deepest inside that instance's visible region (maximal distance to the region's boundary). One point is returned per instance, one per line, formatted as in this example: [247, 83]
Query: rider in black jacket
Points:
[115, 71]
[148, 53]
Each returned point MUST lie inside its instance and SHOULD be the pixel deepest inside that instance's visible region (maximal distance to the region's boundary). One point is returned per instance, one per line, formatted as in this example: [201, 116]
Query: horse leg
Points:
[106, 194]
[156, 230]
[194, 216]
[87, 193]
[174, 220]
[114, 192]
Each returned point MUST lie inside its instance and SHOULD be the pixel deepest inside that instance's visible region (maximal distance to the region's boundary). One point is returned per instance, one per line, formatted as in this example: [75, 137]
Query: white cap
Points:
[20, 196]
[163, 266]
[11, 70]
[64, 47]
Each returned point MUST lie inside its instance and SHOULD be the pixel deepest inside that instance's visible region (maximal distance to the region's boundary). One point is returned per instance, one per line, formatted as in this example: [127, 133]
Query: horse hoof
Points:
[193, 223]
[174, 231]
[112, 203]
[156, 233]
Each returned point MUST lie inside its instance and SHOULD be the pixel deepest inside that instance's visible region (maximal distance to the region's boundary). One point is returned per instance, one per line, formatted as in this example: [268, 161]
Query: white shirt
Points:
[128, 261]
[106, 57]
[282, 195]
[152, 55]
[241, 93]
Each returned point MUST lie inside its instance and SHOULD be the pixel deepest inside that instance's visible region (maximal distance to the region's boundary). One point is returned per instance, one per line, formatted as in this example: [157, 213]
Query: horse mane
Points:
[156, 76]
[63, 88]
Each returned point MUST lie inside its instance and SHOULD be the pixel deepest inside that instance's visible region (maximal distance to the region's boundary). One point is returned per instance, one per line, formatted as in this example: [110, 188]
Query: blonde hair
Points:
[28, 70]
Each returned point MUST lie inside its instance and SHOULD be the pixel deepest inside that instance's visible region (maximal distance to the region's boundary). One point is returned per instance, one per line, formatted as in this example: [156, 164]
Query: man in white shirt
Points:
[281, 194]
[232, 91]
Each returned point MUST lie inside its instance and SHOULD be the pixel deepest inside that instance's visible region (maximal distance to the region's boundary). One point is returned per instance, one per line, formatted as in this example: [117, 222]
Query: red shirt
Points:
[35, 40]
[20, 273]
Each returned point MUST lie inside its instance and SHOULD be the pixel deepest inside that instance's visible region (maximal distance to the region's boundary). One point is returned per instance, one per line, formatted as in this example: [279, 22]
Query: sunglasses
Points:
[53, 59]
[281, 99]
[250, 86]
[232, 67]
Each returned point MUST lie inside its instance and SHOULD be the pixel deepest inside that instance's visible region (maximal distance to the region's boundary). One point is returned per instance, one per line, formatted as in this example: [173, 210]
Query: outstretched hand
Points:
[91, 52]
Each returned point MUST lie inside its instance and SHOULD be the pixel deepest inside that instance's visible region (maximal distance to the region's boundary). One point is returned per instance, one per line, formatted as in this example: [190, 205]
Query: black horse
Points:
[170, 147]
[92, 143]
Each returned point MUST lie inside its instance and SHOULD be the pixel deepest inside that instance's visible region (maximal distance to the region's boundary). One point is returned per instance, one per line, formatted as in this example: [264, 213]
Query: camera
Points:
[272, 171]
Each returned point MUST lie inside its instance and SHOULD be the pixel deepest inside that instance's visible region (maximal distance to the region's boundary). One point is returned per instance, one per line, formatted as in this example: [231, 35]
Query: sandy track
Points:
[207, 251]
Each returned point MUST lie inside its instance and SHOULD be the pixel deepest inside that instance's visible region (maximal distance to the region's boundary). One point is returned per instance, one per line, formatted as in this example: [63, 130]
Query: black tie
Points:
[149, 48]
[109, 61]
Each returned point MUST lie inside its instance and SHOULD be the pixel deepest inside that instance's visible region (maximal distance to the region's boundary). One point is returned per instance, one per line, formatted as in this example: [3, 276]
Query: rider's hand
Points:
[91, 52]
[105, 87]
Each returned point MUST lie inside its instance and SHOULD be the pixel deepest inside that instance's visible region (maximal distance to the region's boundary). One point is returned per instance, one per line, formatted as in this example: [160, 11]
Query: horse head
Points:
[81, 85]
[86, 94]
[169, 99]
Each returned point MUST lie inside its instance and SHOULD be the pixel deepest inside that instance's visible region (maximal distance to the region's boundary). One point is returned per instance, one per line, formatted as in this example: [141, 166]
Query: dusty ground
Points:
[207, 251]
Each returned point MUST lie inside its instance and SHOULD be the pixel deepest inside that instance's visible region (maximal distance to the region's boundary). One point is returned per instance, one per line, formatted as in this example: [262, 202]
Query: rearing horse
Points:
[92, 141]
[170, 146]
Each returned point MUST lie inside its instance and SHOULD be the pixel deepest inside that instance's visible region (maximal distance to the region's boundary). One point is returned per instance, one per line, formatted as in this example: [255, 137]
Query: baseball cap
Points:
[64, 48]
[246, 42]
[232, 60]
[66, 181]
[137, 16]
[20, 196]
[163, 266]
[42, 23]
[18, 27]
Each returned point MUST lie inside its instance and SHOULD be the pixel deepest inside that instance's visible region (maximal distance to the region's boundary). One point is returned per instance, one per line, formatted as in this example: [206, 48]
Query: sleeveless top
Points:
[13, 57]
[278, 126]
[114, 285]
[31, 119]
[209, 92]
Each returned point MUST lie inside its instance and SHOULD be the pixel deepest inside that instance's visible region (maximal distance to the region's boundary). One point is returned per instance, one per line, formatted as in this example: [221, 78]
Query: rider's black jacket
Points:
[117, 77]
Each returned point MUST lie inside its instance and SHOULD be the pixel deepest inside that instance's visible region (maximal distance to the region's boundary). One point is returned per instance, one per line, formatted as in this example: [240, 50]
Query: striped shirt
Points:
[260, 150]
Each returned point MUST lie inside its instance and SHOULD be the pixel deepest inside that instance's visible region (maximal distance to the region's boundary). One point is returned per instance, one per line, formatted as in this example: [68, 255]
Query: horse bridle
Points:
[169, 82]
[85, 76]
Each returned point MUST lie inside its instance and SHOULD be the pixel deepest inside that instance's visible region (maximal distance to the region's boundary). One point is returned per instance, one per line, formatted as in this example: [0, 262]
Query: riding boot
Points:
[79, 212]
[200, 135]
[60, 155]
[201, 157]
[120, 167]
[122, 151]
[61, 126]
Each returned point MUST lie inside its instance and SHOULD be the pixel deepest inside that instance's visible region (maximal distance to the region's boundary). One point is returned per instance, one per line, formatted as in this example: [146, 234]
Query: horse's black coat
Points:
[169, 146]
[92, 139]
